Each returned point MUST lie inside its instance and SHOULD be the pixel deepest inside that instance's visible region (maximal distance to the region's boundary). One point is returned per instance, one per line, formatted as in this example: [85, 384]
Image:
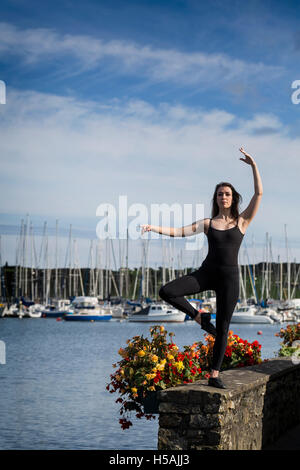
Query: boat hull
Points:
[251, 319]
[54, 314]
[78, 317]
[177, 318]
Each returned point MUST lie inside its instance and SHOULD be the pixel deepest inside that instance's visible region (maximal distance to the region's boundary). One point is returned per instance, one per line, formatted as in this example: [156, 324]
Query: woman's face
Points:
[224, 197]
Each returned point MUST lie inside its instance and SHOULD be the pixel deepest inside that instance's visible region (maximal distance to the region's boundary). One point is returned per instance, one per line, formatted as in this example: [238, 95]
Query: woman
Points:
[219, 271]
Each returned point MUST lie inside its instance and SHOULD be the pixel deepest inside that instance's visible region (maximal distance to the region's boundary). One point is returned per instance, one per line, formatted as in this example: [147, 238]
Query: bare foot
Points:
[214, 374]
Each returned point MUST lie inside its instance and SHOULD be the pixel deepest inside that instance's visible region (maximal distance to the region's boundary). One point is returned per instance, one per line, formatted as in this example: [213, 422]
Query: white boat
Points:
[291, 303]
[248, 314]
[57, 309]
[13, 311]
[85, 308]
[157, 313]
[117, 311]
[34, 311]
[296, 313]
[21, 311]
[270, 312]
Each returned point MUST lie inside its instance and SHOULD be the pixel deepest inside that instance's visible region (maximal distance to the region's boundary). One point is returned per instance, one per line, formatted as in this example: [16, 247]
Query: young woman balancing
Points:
[219, 271]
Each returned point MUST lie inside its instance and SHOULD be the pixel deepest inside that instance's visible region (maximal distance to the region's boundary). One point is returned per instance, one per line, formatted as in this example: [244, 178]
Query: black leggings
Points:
[224, 280]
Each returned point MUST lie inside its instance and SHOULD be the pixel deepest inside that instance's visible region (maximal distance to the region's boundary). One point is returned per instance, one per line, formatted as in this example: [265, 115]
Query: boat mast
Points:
[163, 260]
[242, 285]
[288, 265]
[295, 283]
[111, 273]
[127, 272]
[56, 260]
[25, 255]
[70, 261]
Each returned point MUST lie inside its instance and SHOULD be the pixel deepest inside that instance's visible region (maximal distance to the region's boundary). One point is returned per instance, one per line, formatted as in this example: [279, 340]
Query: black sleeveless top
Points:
[223, 246]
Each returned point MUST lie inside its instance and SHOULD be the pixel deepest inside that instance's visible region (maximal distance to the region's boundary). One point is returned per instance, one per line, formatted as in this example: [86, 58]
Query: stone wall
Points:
[259, 404]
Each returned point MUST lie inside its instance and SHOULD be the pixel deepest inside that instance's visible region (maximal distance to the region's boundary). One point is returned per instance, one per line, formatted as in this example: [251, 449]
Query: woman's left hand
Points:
[248, 159]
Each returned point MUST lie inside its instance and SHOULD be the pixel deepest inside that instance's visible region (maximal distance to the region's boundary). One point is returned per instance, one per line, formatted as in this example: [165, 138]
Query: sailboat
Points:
[249, 314]
[84, 308]
[157, 312]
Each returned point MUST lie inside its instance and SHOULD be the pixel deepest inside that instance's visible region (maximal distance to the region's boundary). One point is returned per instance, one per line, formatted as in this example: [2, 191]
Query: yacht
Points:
[248, 314]
[56, 309]
[270, 312]
[157, 313]
[85, 308]
[34, 311]
[12, 311]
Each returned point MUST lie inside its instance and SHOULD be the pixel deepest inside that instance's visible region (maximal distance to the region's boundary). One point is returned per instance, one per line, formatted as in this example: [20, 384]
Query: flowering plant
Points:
[289, 335]
[240, 353]
[147, 366]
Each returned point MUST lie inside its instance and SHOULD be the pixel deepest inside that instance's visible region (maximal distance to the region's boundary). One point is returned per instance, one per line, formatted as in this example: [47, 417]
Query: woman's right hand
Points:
[145, 228]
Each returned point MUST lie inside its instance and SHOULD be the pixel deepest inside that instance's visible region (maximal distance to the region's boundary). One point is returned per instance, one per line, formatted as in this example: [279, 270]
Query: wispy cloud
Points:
[64, 156]
[157, 64]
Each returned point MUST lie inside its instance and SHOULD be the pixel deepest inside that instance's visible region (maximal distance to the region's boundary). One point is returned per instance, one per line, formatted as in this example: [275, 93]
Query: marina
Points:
[36, 287]
[53, 383]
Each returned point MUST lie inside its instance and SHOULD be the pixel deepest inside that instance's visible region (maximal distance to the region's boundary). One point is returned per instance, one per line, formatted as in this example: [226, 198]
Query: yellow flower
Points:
[160, 367]
[122, 352]
[134, 390]
[148, 376]
[141, 353]
[163, 361]
[179, 365]
[162, 329]
[154, 358]
[151, 389]
[122, 372]
[170, 357]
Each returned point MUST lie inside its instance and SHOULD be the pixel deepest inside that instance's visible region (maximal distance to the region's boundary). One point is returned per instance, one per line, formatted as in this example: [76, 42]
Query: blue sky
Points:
[149, 99]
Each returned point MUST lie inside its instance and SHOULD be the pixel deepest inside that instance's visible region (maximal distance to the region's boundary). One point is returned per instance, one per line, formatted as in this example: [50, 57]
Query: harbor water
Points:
[53, 382]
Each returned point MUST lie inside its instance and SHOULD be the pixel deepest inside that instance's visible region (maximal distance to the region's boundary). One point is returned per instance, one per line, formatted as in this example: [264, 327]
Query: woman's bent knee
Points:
[162, 293]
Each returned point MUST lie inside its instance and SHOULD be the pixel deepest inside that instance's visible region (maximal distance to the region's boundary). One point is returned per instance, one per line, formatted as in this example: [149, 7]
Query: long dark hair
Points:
[236, 201]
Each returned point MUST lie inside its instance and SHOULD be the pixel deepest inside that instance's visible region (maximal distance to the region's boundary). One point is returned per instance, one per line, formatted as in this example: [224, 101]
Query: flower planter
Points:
[150, 403]
[148, 366]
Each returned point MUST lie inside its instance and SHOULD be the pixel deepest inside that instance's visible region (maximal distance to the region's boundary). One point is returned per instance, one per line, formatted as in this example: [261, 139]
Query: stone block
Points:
[259, 404]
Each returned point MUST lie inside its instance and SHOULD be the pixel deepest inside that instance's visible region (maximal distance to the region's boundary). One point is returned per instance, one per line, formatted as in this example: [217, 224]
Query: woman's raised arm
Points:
[253, 206]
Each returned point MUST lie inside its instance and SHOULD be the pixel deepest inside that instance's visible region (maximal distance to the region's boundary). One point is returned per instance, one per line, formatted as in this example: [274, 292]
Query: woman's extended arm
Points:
[187, 231]
[253, 206]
